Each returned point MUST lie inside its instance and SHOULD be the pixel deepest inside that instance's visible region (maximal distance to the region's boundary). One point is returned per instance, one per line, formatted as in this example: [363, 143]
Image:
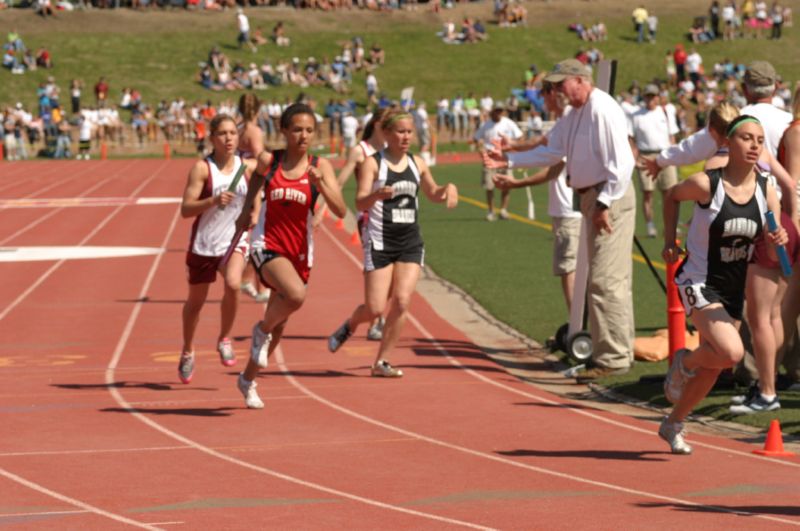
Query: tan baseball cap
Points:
[651, 90]
[567, 68]
[760, 74]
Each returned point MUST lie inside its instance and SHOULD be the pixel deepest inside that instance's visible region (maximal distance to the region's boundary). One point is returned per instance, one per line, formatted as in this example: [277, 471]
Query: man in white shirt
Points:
[593, 138]
[423, 127]
[349, 130]
[650, 132]
[760, 81]
[495, 127]
[694, 66]
[244, 29]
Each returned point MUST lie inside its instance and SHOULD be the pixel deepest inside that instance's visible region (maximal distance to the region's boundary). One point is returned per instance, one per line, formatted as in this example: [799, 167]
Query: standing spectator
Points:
[101, 92]
[349, 129]
[713, 17]
[652, 26]
[372, 89]
[729, 20]
[759, 88]
[244, 30]
[593, 138]
[669, 66]
[694, 67]
[680, 62]
[495, 128]
[776, 14]
[443, 115]
[639, 20]
[75, 87]
[650, 132]
[423, 127]
[279, 35]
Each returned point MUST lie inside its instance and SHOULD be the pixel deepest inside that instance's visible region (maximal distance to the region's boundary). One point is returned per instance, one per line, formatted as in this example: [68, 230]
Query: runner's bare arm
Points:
[447, 193]
[192, 205]
[253, 189]
[324, 179]
[696, 188]
[507, 182]
[365, 197]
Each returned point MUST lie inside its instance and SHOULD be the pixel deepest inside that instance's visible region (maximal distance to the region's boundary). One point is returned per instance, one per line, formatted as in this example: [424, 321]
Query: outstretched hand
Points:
[504, 181]
[495, 159]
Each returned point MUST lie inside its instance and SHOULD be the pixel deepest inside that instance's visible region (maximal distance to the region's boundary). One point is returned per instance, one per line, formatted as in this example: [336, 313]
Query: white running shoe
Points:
[674, 434]
[490, 216]
[248, 389]
[383, 369]
[504, 213]
[263, 296]
[249, 289]
[676, 377]
[226, 355]
[259, 348]
[375, 332]
[756, 404]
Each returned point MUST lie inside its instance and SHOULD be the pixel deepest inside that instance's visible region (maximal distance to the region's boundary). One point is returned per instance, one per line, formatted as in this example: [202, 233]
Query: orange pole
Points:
[167, 151]
[433, 145]
[333, 144]
[103, 150]
[1, 152]
[676, 317]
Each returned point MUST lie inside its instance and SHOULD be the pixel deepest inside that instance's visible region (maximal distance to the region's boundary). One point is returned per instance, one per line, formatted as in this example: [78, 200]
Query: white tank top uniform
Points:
[213, 230]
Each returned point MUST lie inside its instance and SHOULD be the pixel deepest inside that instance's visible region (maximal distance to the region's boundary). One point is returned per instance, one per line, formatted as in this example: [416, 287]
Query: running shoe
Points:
[676, 377]
[504, 213]
[384, 370]
[248, 288]
[263, 296]
[186, 367]
[226, 354]
[757, 404]
[338, 338]
[490, 216]
[674, 433]
[375, 332]
[259, 349]
[248, 389]
[752, 392]
[652, 232]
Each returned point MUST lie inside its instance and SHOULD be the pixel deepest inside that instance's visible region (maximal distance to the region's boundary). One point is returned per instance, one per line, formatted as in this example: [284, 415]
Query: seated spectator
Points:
[279, 35]
[376, 55]
[29, 61]
[258, 37]
[255, 78]
[44, 8]
[43, 59]
[480, 31]
[517, 15]
[700, 32]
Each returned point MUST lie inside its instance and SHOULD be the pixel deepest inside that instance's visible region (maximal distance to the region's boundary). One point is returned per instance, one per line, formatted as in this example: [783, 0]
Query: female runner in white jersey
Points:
[282, 242]
[371, 142]
[729, 213]
[393, 251]
[208, 199]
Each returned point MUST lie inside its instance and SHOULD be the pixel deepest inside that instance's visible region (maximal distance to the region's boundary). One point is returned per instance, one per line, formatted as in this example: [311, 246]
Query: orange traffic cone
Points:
[340, 223]
[773, 446]
[355, 239]
[325, 213]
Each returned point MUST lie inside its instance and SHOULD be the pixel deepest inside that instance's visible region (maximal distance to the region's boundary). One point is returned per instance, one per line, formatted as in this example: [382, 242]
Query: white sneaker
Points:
[673, 433]
[490, 216]
[652, 232]
[248, 390]
[263, 296]
[248, 288]
[504, 213]
[383, 369]
[259, 348]
[676, 377]
[375, 332]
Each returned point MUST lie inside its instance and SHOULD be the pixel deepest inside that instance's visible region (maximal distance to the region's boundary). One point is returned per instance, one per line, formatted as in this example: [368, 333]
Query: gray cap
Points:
[498, 106]
[567, 68]
[651, 90]
[760, 74]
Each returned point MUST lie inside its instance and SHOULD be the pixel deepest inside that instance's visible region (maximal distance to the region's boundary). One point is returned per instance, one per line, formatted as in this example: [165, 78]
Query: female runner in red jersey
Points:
[282, 244]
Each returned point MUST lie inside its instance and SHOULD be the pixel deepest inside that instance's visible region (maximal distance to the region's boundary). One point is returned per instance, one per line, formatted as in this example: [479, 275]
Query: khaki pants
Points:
[610, 285]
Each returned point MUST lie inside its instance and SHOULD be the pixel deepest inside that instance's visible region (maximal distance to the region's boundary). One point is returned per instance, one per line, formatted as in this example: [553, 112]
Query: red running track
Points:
[97, 433]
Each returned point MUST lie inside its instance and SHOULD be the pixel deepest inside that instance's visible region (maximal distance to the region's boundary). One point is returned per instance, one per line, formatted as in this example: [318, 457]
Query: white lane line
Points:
[43, 513]
[58, 264]
[565, 405]
[52, 213]
[491, 457]
[109, 379]
[72, 501]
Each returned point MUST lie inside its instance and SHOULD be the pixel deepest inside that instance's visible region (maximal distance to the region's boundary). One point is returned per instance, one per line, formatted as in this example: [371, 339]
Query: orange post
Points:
[355, 239]
[167, 151]
[1, 152]
[773, 446]
[676, 320]
[433, 145]
[103, 151]
[332, 144]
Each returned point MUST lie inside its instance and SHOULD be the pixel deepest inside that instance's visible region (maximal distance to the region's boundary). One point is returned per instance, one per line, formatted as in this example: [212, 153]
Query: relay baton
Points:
[235, 181]
[232, 247]
[783, 256]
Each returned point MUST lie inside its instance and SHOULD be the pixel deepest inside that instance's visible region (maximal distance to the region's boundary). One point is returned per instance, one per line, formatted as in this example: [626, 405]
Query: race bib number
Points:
[692, 297]
[403, 215]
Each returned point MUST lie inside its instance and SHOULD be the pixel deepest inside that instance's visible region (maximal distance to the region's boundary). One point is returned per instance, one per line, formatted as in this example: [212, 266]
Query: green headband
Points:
[736, 125]
[396, 118]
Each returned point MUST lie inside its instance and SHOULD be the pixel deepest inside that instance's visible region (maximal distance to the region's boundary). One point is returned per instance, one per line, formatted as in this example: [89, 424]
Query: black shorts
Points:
[259, 257]
[698, 296]
[379, 259]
